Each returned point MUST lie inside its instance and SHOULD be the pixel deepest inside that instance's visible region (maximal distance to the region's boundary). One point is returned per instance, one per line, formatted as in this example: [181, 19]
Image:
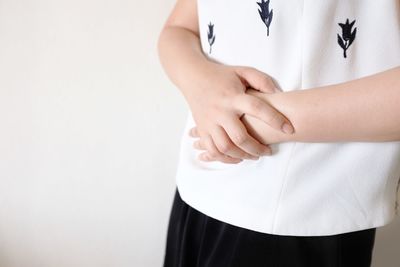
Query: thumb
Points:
[257, 79]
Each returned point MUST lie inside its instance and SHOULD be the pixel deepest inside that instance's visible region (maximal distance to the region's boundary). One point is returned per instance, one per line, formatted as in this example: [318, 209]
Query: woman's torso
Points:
[304, 188]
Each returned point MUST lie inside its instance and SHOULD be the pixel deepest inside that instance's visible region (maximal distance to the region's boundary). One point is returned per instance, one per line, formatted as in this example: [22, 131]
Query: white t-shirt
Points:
[303, 189]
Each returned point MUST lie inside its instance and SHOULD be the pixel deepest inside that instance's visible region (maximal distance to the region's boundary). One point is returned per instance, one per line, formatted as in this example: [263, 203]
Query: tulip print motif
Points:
[348, 35]
[397, 199]
[265, 13]
[210, 35]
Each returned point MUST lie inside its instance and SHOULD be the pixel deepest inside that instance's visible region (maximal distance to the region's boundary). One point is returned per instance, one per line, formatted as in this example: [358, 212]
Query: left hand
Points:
[211, 151]
[270, 135]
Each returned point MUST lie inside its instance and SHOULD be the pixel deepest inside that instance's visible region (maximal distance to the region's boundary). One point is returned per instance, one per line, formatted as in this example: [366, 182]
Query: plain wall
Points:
[89, 133]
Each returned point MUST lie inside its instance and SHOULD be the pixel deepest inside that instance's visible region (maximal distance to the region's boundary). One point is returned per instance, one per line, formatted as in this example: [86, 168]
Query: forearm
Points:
[365, 109]
[181, 57]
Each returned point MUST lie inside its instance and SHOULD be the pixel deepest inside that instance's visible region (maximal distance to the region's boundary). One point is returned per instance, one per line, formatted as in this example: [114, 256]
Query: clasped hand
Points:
[223, 103]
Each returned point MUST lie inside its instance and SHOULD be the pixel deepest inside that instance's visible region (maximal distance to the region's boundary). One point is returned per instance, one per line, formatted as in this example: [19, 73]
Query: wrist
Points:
[279, 101]
[195, 78]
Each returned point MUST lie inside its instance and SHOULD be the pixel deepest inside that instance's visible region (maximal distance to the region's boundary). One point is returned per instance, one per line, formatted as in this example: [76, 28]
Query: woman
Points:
[294, 114]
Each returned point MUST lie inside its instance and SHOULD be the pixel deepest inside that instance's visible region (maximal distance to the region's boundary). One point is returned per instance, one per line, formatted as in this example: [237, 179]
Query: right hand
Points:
[217, 102]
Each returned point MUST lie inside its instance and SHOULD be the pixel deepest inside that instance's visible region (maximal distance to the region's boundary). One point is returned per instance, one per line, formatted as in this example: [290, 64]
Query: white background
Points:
[89, 134]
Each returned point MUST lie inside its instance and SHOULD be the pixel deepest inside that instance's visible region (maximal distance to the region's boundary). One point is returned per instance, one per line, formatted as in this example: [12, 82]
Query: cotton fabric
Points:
[303, 189]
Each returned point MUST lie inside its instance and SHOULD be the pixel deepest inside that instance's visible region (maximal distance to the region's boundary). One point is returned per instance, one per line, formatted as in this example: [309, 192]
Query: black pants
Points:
[196, 240]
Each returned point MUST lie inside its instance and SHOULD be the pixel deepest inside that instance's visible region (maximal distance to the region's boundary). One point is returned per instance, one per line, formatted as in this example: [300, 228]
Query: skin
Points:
[235, 122]
[361, 110]
[216, 93]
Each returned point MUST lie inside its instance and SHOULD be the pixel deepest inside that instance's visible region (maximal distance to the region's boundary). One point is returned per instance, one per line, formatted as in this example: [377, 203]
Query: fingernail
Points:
[267, 152]
[250, 157]
[205, 157]
[287, 128]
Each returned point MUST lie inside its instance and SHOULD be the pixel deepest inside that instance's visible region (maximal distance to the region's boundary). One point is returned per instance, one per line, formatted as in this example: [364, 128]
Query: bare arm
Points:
[179, 46]
[215, 92]
[365, 109]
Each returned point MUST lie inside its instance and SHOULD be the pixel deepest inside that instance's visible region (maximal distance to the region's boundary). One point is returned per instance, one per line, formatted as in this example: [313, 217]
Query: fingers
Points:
[260, 109]
[193, 132]
[257, 79]
[237, 132]
[222, 142]
[226, 146]
[213, 153]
